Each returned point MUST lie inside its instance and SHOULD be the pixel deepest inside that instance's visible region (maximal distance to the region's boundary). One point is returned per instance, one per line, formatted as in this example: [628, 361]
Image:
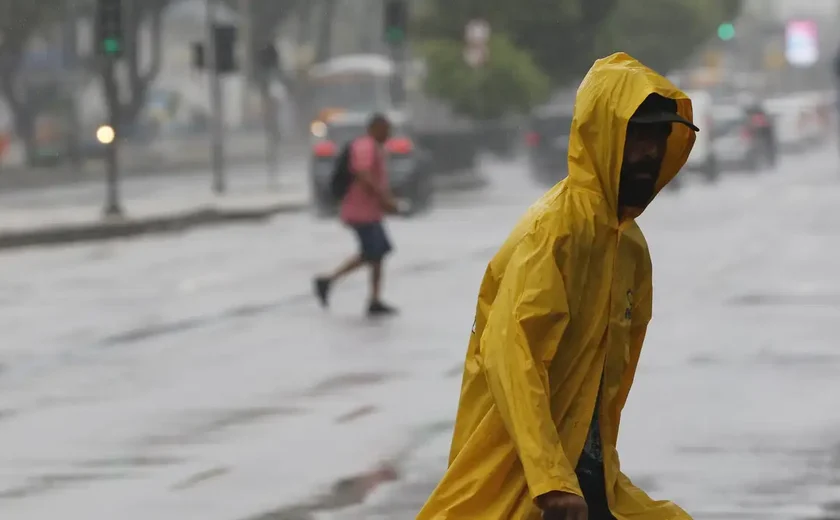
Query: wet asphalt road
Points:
[193, 377]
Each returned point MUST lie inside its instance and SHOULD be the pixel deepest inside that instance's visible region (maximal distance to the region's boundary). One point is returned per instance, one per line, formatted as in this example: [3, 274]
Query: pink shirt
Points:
[360, 206]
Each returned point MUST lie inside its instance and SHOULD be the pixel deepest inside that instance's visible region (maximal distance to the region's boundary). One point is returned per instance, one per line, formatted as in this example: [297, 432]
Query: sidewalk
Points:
[55, 224]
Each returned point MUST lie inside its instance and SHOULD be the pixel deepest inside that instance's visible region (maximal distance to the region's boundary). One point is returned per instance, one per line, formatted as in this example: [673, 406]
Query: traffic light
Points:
[225, 36]
[396, 21]
[198, 59]
[726, 31]
[267, 57]
[225, 48]
[109, 29]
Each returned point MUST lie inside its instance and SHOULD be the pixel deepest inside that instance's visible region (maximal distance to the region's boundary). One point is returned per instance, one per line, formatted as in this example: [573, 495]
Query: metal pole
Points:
[218, 129]
[246, 27]
[71, 59]
[113, 207]
[272, 130]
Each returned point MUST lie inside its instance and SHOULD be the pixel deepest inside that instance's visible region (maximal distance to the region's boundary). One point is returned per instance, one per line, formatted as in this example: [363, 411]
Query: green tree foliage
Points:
[664, 33]
[560, 35]
[565, 36]
[509, 82]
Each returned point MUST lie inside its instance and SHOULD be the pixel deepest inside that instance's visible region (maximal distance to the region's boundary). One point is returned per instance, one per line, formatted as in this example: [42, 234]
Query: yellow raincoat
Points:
[565, 301]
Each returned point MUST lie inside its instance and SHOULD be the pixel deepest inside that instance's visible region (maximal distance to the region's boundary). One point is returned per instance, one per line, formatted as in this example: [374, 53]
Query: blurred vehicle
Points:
[408, 165]
[547, 139]
[703, 159]
[764, 133]
[352, 83]
[798, 122]
[735, 141]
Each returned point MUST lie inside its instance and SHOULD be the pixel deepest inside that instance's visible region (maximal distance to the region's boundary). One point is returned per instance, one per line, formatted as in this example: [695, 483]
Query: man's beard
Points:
[636, 191]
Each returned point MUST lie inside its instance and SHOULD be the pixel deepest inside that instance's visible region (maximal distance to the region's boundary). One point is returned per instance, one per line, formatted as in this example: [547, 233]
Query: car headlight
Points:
[318, 129]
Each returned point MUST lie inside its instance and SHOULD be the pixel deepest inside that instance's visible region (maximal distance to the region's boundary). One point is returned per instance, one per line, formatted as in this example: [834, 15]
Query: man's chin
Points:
[631, 212]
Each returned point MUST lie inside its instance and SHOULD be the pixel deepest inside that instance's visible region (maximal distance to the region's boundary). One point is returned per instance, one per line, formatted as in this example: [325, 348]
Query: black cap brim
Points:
[663, 117]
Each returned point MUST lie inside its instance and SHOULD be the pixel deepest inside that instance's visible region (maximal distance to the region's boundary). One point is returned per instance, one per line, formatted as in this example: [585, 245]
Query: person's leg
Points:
[349, 265]
[377, 247]
[323, 284]
[376, 281]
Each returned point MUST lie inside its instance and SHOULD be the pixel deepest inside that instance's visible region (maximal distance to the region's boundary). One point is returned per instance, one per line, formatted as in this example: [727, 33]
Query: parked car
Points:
[763, 130]
[799, 123]
[736, 144]
[547, 139]
[703, 159]
[408, 166]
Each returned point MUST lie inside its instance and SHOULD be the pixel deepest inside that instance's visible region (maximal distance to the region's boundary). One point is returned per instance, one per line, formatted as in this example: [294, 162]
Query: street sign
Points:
[801, 43]
[475, 56]
[477, 32]
[477, 38]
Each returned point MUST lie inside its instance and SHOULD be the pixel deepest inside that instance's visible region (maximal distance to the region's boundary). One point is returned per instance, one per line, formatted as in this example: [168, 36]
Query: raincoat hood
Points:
[609, 95]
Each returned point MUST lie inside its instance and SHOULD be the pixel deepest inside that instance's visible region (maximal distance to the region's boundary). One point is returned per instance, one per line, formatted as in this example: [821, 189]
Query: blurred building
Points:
[782, 10]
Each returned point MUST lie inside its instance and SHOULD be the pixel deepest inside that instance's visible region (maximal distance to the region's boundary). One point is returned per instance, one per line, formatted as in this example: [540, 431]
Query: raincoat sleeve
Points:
[642, 313]
[524, 326]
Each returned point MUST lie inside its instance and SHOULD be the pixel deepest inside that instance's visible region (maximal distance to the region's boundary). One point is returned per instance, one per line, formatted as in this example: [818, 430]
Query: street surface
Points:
[194, 377]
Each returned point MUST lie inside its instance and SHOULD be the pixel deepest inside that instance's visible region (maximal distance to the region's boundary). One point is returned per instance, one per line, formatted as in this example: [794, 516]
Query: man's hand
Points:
[558, 505]
[390, 204]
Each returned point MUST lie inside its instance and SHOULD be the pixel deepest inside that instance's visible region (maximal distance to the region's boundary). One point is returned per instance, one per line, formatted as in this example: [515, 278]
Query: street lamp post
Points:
[218, 137]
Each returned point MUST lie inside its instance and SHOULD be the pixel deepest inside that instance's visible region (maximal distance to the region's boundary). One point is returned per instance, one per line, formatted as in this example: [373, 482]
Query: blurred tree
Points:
[665, 32]
[20, 21]
[560, 35]
[136, 14]
[509, 82]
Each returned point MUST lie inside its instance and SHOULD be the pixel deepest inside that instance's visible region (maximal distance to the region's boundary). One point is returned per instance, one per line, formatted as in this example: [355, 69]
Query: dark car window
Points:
[345, 133]
[728, 124]
[342, 134]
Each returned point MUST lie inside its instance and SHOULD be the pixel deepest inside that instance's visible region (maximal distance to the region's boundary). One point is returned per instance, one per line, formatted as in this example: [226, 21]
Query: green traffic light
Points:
[726, 31]
[111, 46]
[394, 35]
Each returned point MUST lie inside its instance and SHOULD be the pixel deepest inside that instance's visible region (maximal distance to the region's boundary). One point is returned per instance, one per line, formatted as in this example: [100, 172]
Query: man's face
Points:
[381, 131]
[644, 150]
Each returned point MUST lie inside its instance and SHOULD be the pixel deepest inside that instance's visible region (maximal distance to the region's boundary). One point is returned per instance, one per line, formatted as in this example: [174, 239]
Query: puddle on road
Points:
[213, 423]
[358, 413]
[780, 299]
[200, 478]
[46, 483]
[345, 493]
[348, 381]
[130, 462]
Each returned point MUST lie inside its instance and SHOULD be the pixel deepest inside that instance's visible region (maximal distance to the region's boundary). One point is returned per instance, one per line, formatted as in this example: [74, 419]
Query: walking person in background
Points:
[363, 209]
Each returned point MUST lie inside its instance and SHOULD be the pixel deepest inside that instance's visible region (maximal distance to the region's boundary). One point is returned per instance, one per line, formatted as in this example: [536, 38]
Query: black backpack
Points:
[342, 177]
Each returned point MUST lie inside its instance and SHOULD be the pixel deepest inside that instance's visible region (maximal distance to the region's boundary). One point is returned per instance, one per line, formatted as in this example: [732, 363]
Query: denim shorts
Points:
[374, 244]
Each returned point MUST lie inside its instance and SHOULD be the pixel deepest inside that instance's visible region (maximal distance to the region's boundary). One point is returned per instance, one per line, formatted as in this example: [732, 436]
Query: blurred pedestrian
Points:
[363, 210]
[561, 319]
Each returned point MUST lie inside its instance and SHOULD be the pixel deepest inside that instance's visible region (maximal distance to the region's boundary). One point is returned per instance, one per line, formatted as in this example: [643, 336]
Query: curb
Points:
[172, 223]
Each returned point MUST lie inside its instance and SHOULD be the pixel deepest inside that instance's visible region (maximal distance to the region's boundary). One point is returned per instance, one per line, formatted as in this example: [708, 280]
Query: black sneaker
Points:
[322, 291]
[380, 309]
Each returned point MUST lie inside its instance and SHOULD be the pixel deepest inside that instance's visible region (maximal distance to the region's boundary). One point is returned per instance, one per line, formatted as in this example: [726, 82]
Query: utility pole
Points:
[70, 58]
[113, 206]
[395, 27]
[246, 27]
[266, 65]
[109, 48]
[217, 124]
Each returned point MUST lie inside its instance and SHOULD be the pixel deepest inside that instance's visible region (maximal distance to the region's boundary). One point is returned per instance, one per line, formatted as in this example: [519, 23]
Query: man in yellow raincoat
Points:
[561, 318]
